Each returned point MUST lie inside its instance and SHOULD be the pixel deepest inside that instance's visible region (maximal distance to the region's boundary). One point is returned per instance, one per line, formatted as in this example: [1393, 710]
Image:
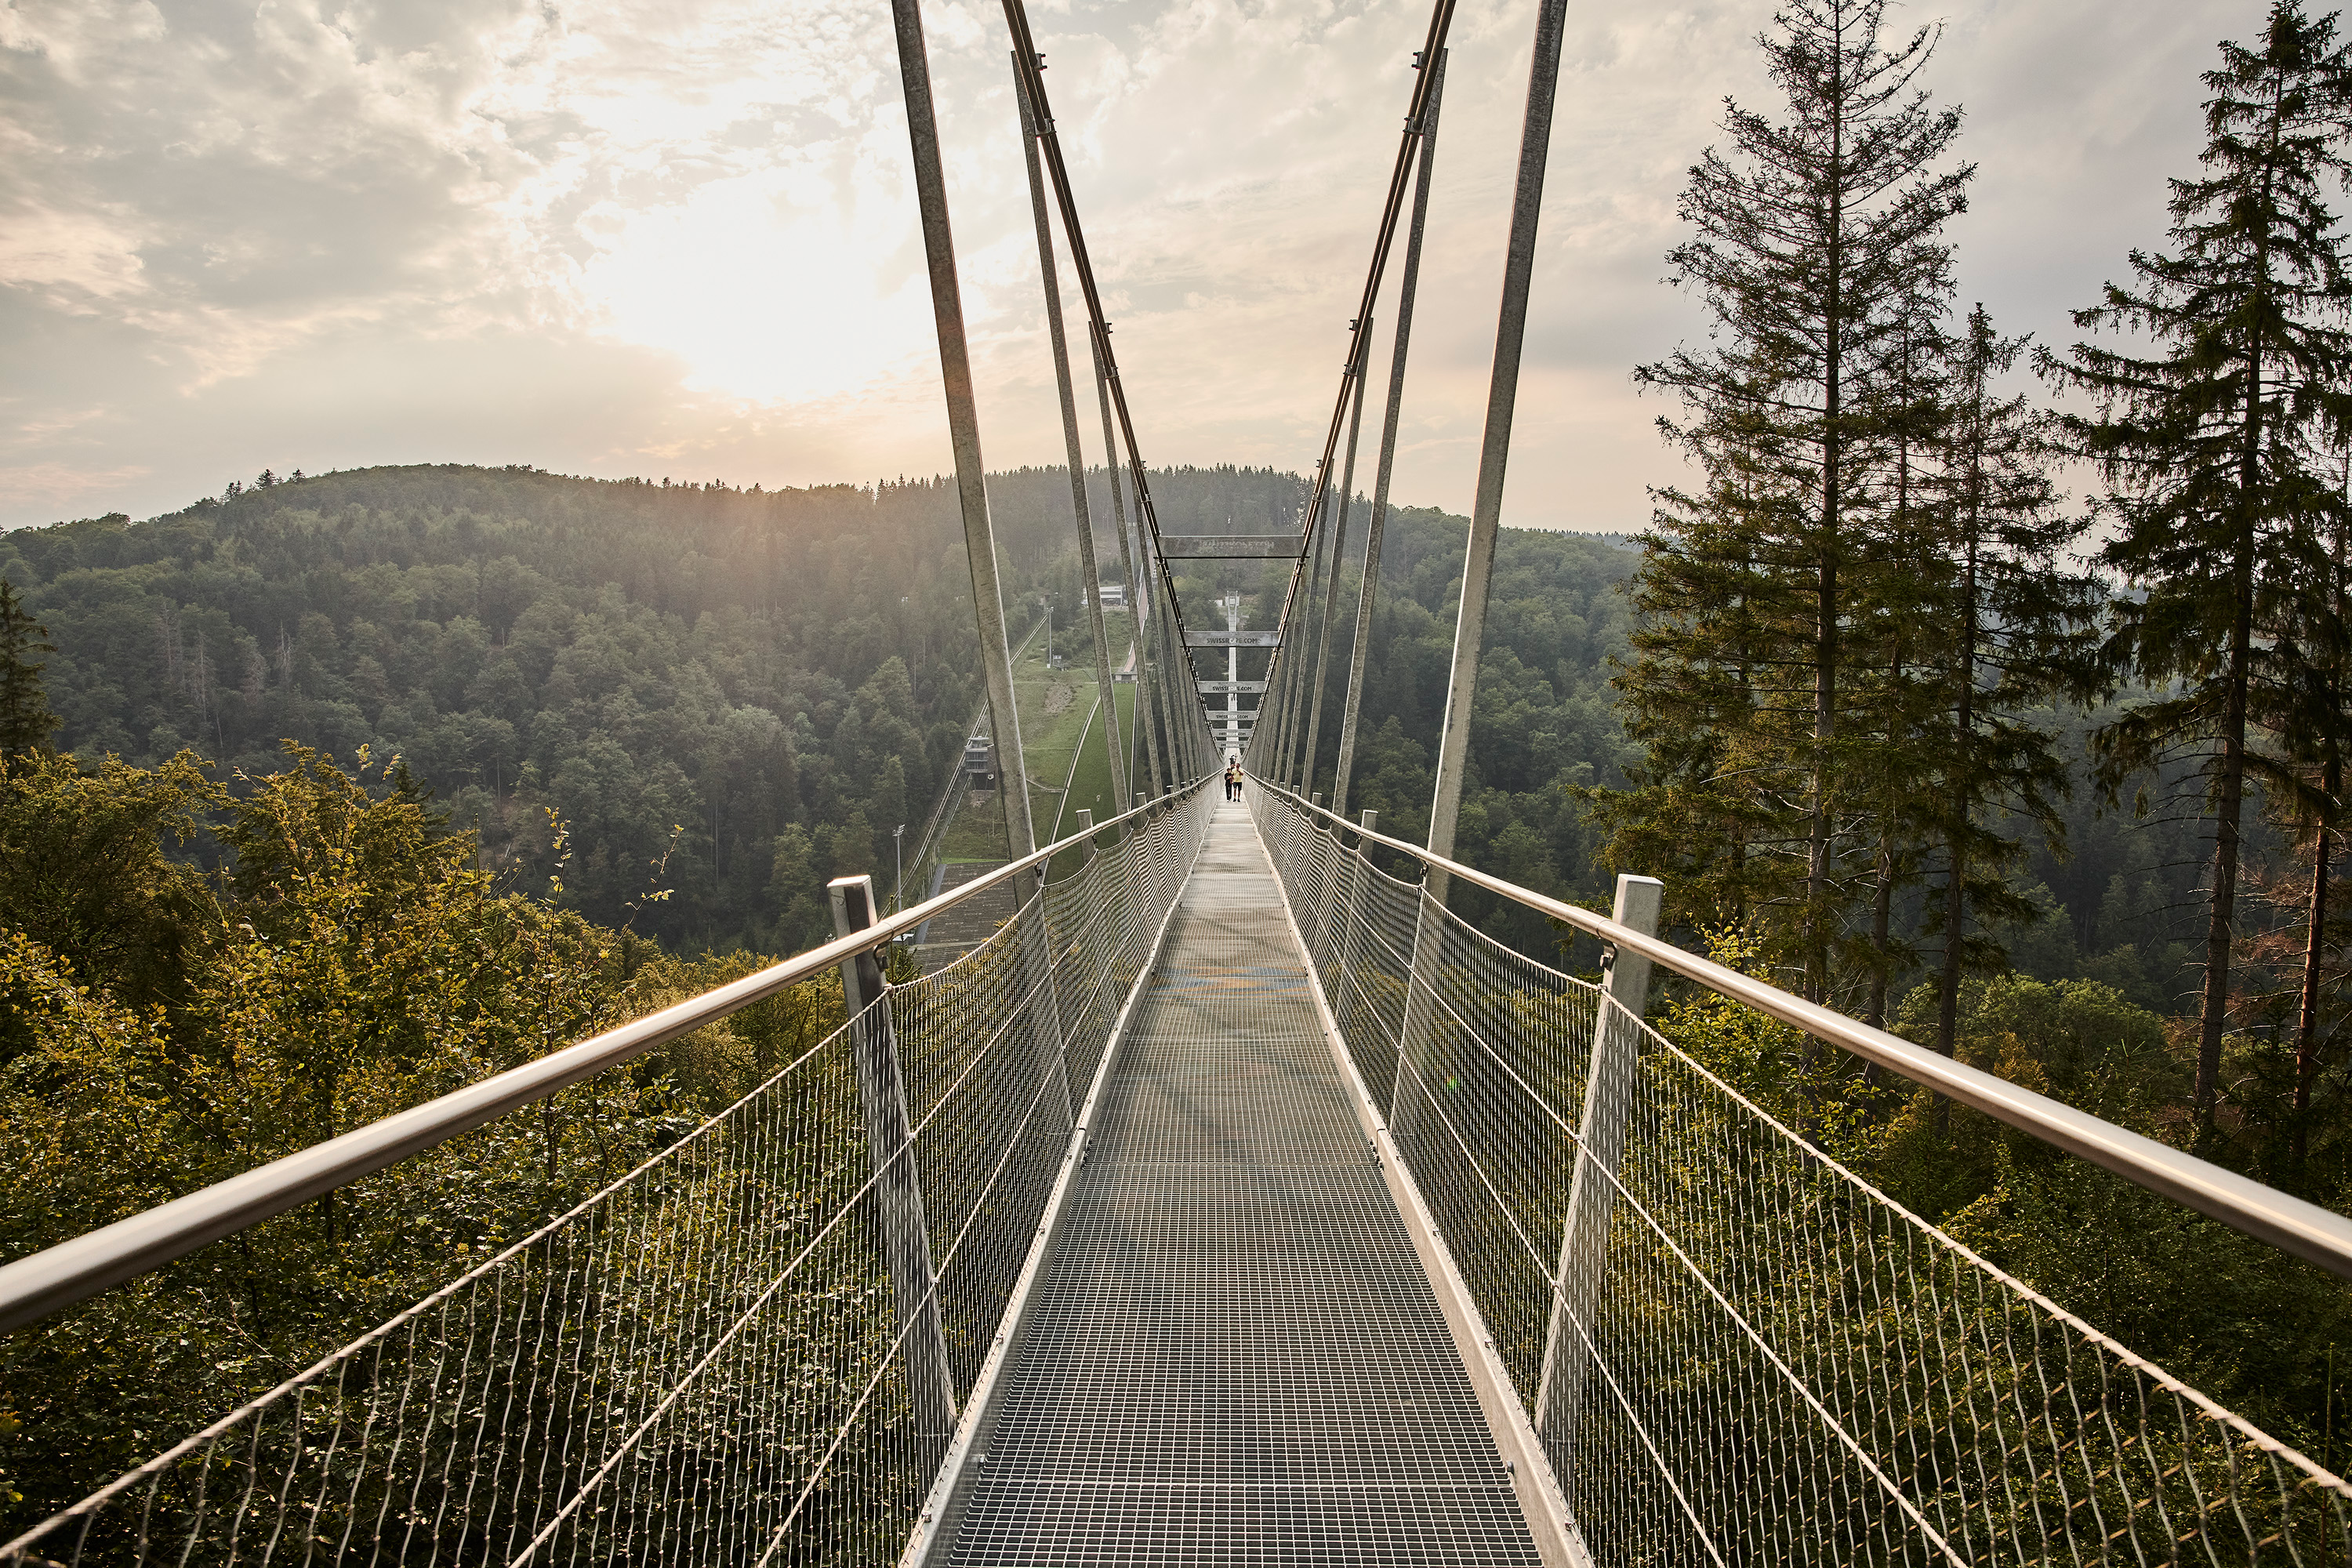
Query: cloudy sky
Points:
[670, 238]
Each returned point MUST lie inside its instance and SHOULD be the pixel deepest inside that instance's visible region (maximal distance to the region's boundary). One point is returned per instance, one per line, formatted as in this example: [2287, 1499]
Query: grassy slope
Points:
[1090, 787]
[1049, 743]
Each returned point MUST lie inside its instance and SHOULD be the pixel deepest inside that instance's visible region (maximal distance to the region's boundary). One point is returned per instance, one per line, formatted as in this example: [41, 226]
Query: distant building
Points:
[980, 761]
[1114, 595]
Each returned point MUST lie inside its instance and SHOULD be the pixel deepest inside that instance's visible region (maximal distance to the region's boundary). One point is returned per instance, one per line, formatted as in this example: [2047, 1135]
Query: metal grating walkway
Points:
[1235, 1356]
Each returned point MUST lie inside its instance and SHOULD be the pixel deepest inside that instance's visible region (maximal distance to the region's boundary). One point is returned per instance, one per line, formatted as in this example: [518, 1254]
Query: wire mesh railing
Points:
[713, 1360]
[1733, 1349]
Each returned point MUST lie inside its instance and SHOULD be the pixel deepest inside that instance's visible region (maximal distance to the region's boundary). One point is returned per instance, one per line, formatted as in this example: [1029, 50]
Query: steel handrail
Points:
[32, 1288]
[2288, 1223]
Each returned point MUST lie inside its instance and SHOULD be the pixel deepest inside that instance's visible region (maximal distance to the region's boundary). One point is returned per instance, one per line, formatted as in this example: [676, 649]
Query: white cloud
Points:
[609, 235]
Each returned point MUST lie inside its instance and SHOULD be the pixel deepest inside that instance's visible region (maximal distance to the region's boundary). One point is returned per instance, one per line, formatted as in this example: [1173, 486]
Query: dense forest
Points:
[2052, 783]
[668, 675]
[672, 676]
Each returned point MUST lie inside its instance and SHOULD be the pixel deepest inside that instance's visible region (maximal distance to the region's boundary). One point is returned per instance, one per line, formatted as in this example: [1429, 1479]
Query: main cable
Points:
[1441, 21]
[1031, 64]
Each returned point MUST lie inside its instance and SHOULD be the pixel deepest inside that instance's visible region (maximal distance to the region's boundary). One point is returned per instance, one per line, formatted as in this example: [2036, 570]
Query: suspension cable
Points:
[1031, 67]
[1441, 21]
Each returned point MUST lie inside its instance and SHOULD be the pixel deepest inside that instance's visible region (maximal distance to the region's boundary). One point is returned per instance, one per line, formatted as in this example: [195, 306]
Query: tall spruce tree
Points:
[2306, 711]
[1761, 591]
[25, 721]
[2209, 446]
[2014, 631]
[1898, 691]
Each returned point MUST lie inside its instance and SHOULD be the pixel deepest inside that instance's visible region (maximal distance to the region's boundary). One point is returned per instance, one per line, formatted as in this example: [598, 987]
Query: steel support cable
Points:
[1031, 63]
[1408, 285]
[1418, 118]
[1294, 767]
[1274, 704]
[1494, 447]
[1146, 688]
[1031, 66]
[1169, 654]
[1294, 685]
[1441, 21]
[1283, 670]
[1331, 609]
[1051, 282]
[963, 425]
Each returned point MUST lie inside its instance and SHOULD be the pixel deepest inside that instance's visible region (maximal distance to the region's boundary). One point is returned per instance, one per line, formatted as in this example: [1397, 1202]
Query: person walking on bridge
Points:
[1233, 779]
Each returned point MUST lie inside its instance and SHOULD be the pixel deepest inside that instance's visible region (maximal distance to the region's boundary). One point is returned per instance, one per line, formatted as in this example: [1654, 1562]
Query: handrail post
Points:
[1349, 915]
[1417, 979]
[1592, 1191]
[898, 1185]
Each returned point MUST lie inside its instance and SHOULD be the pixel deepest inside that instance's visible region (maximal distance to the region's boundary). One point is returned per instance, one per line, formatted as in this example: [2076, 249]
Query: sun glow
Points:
[766, 292]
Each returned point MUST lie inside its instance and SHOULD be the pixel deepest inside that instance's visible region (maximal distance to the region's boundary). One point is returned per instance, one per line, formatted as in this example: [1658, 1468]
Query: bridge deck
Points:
[1235, 1356]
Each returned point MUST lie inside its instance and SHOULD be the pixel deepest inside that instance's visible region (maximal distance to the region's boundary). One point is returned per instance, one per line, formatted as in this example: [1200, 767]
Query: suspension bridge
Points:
[1234, 1201]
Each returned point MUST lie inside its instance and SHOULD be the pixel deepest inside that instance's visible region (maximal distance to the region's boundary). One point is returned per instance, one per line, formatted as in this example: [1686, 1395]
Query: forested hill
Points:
[676, 670]
[1545, 721]
[680, 672]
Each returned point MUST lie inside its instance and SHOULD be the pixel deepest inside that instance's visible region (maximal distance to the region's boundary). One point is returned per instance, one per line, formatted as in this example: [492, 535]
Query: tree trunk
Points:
[1956, 878]
[2307, 1025]
[1882, 911]
[1956, 896]
[1826, 661]
[1882, 915]
[2213, 1012]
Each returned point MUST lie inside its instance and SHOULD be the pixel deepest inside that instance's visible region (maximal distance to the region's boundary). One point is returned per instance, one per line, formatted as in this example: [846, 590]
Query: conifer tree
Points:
[2014, 632]
[25, 721]
[1903, 743]
[2307, 710]
[2208, 446]
[1812, 232]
